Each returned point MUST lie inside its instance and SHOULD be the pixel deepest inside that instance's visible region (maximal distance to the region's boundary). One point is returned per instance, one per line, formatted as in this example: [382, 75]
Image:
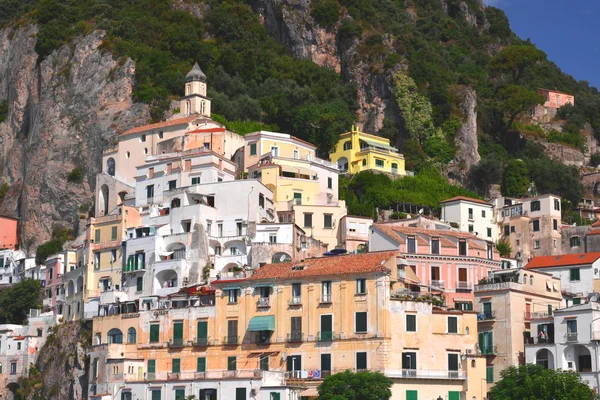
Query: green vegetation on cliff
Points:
[18, 299]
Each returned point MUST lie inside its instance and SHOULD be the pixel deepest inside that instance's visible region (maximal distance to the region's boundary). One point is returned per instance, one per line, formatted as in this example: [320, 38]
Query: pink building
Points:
[553, 101]
[54, 297]
[444, 261]
[8, 233]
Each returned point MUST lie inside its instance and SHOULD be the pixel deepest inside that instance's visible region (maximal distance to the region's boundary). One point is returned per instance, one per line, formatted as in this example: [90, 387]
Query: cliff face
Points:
[62, 112]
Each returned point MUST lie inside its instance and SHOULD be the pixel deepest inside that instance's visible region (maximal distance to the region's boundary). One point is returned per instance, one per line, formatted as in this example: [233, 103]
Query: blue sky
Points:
[567, 30]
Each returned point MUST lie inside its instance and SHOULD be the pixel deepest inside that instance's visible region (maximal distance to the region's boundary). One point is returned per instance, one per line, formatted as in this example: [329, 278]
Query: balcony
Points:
[295, 301]
[263, 302]
[325, 336]
[426, 374]
[47, 302]
[537, 340]
[325, 299]
[437, 284]
[231, 340]
[134, 268]
[176, 343]
[150, 376]
[486, 316]
[489, 350]
[464, 287]
[537, 315]
[173, 376]
[295, 337]
[200, 342]
[571, 337]
[60, 298]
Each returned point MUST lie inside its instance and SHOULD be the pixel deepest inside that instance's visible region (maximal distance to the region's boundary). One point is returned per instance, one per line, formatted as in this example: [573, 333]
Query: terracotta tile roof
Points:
[447, 242]
[475, 246]
[326, 266]
[164, 124]
[596, 224]
[594, 232]
[390, 232]
[393, 230]
[562, 260]
[421, 241]
[206, 130]
[472, 200]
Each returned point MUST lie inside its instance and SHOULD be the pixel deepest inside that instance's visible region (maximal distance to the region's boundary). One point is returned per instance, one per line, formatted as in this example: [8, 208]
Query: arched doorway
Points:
[342, 163]
[545, 358]
[580, 357]
[104, 199]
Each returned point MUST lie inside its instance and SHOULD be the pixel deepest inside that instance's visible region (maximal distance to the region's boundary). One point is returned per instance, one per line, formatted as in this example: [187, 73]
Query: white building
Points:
[569, 342]
[9, 267]
[471, 215]
[579, 273]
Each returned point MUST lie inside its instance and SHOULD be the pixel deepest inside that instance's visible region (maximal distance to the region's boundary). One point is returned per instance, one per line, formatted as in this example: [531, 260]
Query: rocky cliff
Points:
[63, 111]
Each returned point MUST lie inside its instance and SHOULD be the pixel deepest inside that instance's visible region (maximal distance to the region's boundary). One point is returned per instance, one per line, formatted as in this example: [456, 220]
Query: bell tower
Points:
[195, 100]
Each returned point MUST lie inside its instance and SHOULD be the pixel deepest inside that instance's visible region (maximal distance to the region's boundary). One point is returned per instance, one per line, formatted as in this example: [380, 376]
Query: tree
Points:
[534, 382]
[516, 179]
[503, 247]
[356, 386]
[513, 100]
[17, 300]
[514, 60]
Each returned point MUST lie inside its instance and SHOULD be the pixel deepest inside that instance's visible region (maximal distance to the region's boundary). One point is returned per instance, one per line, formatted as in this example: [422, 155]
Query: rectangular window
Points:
[328, 221]
[412, 395]
[272, 238]
[196, 180]
[296, 154]
[233, 295]
[151, 367]
[435, 246]
[572, 326]
[113, 255]
[470, 228]
[154, 333]
[470, 213]
[240, 393]
[126, 396]
[556, 204]
[360, 320]
[274, 396]
[95, 368]
[275, 151]
[231, 363]
[296, 291]
[409, 360]
[172, 185]
[143, 138]
[489, 374]
[326, 292]
[232, 329]
[150, 191]
[574, 241]
[462, 247]
[113, 233]
[296, 328]
[308, 220]
[574, 274]
[361, 360]
[297, 198]
[253, 149]
[555, 224]
[411, 323]
[220, 230]
[506, 230]
[486, 342]
[202, 332]
[483, 213]
[452, 325]
[411, 246]
[238, 227]
[201, 364]
[536, 225]
[97, 236]
[139, 284]
[179, 394]
[352, 227]
[379, 163]
[535, 205]
[452, 362]
[489, 232]
[361, 286]
[325, 362]
[490, 251]
[329, 183]
[156, 394]
[176, 366]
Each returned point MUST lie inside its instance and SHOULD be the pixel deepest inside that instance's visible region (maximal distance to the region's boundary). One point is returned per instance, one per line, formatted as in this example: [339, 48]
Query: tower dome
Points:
[195, 74]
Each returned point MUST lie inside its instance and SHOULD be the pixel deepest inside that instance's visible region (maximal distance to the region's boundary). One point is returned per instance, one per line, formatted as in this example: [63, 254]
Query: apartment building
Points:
[506, 304]
[280, 331]
[9, 266]
[354, 233]
[440, 261]
[470, 215]
[357, 151]
[579, 274]
[305, 188]
[580, 239]
[531, 225]
[569, 342]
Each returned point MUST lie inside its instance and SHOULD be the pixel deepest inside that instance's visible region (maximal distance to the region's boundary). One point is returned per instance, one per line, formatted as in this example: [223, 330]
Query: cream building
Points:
[471, 215]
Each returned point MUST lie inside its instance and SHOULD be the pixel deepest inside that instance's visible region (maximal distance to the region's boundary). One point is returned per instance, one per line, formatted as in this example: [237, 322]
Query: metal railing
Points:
[295, 337]
[295, 301]
[486, 316]
[426, 374]
[326, 298]
[488, 350]
[538, 340]
[201, 341]
[173, 376]
[264, 302]
[464, 286]
[230, 340]
[571, 337]
[437, 284]
[176, 343]
[325, 336]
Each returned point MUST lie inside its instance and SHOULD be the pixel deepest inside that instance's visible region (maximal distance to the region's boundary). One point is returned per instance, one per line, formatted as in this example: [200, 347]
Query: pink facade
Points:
[556, 99]
[54, 290]
[444, 261]
[8, 233]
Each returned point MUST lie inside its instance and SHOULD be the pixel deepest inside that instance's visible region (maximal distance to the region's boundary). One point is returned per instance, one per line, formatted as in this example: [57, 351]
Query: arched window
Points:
[187, 89]
[531, 280]
[203, 110]
[115, 336]
[525, 279]
[110, 166]
[131, 336]
[188, 107]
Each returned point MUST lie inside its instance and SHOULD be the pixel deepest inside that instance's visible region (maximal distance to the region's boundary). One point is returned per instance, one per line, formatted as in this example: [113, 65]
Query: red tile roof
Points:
[206, 130]
[596, 224]
[164, 124]
[594, 232]
[351, 264]
[463, 198]
[562, 260]
[393, 230]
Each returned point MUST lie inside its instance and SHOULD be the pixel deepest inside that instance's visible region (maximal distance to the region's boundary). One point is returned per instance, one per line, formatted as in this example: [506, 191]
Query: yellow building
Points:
[305, 188]
[357, 151]
[284, 329]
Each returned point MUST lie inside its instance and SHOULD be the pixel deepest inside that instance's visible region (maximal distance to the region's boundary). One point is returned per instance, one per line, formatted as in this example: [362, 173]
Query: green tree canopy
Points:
[534, 382]
[16, 300]
[513, 100]
[356, 386]
[514, 60]
[516, 179]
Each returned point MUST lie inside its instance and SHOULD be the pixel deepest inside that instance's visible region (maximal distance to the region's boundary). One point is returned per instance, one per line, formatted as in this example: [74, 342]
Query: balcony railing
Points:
[326, 298]
[426, 374]
[538, 340]
[437, 284]
[325, 336]
[134, 268]
[486, 316]
[150, 376]
[264, 302]
[201, 341]
[465, 286]
[295, 337]
[295, 301]
[173, 376]
[571, 337]
[176, 343]
[489, 350]
[538, 315]
[231, 340]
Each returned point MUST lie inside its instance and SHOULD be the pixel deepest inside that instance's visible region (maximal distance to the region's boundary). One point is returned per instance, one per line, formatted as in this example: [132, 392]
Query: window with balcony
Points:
[361, 286]
[296, 293]
[360, 322]
[453, 365]
[452, 325]
[328, 221]
[326, 332]
[409, 363]
[231, 363]
[574, 274]
[411, 244]
[574, 241]
[325, 363]
[486, 342]
[411, 323]
[308, 220]
[535, 206]
[294, 363]
[326, 292]
[571, 330]
[296, 329]
[232, 331]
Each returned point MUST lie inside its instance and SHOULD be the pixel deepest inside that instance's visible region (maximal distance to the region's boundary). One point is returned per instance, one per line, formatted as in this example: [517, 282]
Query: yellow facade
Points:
[357, 151]
[355, 324]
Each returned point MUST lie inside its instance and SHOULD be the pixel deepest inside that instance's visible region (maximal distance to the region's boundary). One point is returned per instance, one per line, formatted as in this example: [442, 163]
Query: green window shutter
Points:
[176, 367]
[151, 366]
[178, 330]
[97, 236]
[139, 284]
[361, 360]
[179, 394]
[202, 329]
[253, 149]
[264, 363]
[411, 395]
[156, 394]
[489, 374]
[275, 396]
[2, 262]
[453, 395]
[240, 393]
[113, 233]
[201, 365]
[231, 363]
[452, 325]
[154, 333]
[411, 323]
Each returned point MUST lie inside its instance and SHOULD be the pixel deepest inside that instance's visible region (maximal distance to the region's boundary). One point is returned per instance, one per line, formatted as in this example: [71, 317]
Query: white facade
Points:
[9, 268]
[472, 216]
[581, 287]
